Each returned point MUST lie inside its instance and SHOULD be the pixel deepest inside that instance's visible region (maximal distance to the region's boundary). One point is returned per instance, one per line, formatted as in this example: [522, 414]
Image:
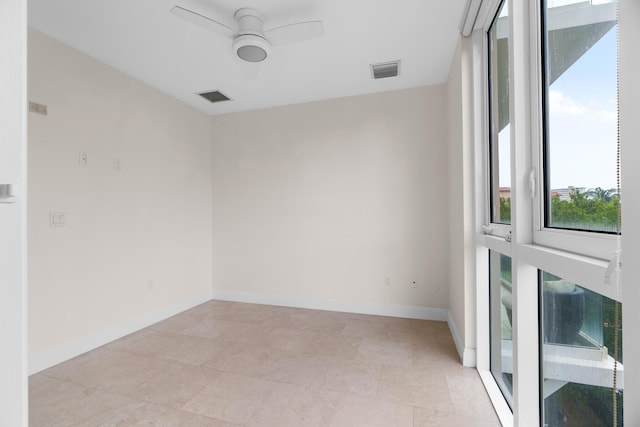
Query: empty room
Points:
[320, 213]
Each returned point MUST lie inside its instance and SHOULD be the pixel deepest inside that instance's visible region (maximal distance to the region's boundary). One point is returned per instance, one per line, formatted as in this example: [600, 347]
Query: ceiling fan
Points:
[251, 42]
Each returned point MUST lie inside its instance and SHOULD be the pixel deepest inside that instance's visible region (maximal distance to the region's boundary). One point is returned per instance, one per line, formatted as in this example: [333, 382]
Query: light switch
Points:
[57, 219]
[7, 193]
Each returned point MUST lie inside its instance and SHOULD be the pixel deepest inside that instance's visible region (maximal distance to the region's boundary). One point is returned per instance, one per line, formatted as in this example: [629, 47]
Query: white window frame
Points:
[580, 257]
[600, 246]
[487, 12]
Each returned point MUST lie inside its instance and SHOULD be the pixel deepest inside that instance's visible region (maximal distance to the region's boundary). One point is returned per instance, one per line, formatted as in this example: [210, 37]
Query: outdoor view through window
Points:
[500, 141]
[581, 115]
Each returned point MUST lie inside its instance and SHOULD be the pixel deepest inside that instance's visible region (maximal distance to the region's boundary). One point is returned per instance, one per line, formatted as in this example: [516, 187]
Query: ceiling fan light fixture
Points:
[251, 48]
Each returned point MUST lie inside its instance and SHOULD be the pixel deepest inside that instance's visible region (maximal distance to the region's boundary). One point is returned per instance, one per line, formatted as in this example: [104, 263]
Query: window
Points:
[501, 306]
[499, 136]
[551, 306]
[582, 355]
[580, 115]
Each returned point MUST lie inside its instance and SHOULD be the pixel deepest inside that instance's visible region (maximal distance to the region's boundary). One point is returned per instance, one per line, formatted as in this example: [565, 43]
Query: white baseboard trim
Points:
[467, 355]
[75, 348]
[406, 311]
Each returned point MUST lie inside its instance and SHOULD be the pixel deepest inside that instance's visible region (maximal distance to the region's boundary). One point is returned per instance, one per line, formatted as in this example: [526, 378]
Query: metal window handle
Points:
[7, 193]
[532, 183]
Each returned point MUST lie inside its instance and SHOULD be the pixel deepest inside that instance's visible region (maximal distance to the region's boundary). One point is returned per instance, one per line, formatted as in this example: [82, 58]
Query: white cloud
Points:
[562, 105]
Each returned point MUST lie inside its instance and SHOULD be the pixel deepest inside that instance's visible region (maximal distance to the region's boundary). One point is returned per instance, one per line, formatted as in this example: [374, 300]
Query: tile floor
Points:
[234, 364]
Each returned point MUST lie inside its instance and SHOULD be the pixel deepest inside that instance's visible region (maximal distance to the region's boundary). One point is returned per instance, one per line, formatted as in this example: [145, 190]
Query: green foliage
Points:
[595, 209]
[505, 210]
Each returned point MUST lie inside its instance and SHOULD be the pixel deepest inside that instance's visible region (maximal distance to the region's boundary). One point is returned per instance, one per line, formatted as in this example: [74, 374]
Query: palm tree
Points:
[601, 194]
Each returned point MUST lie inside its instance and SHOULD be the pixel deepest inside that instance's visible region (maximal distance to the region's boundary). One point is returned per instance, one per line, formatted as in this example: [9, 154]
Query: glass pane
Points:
[499, 117]
[501, 315]
[580, 346]
[581, 115]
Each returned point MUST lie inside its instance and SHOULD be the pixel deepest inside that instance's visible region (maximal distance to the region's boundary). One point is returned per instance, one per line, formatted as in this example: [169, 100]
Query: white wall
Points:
[13, 143]
[321, 202]
[456, 205]
[461, 205]
[137, 242]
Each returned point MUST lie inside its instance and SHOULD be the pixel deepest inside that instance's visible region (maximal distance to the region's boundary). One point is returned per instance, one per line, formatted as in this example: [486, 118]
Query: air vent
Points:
[385, 69]
[215, 96]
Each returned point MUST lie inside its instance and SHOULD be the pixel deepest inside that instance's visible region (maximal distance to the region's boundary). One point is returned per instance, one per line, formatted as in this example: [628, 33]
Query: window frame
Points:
[488, 13]
[580, 257]
[598, 245]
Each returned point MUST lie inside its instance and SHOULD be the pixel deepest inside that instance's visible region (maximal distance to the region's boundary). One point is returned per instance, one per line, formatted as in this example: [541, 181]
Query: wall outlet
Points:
[116, 164]
[150, 285]
[413, 284]
[387, 281]
[83, 158]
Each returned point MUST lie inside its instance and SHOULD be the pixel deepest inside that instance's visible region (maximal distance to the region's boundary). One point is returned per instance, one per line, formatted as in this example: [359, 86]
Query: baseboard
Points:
[467, 355]
[75, 348]
[406, 311]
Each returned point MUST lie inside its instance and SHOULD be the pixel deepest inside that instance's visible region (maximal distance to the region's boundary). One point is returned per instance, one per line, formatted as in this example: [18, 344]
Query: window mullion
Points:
[525, 284]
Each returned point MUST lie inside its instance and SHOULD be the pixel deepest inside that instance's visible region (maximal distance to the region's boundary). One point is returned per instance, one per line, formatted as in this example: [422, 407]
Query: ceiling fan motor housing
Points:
[251, 48]
[250, 45]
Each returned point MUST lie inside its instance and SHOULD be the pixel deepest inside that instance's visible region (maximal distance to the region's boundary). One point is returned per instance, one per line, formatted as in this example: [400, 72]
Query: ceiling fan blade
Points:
[203, 21]
[293, 33]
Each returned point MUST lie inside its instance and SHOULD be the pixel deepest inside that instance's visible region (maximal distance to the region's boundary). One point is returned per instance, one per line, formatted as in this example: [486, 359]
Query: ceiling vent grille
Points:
[215, 96]
[385, 69]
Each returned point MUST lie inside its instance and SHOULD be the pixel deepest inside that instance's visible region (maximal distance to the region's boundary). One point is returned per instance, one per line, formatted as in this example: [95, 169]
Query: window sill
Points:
[582, 270]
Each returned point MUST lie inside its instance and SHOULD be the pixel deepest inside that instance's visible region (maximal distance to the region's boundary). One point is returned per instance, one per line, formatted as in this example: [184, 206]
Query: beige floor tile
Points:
[175, 324]
[173, 386]
[436, 418]
[192, 350]
[415, 387]
[225, 363]
[245, 359]
[365, 329]
[418, 396]
[254, 334]
[149, 379]
[333, 345]
[415, 377]
[387, 352]
[209, 328]
[317, 321]
[301, 370]
[146, 342]
[290, 339]
[231, 397]
[55, 403]
[205, 309]
[149, 414]
[359, 411]
[469, 398]
[289, 405]
[101, 367]
[357, 377]
[242, 313]
[435, 356]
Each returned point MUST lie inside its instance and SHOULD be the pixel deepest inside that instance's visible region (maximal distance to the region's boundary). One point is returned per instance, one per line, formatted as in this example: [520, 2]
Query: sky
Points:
[582, 120]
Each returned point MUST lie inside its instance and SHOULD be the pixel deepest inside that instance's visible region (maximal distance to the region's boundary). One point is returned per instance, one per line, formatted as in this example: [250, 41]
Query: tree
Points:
[602, 194]
[595, 209]
[505, 209]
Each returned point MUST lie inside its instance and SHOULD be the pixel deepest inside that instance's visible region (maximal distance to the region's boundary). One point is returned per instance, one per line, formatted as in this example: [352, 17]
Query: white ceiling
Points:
[144, 40]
